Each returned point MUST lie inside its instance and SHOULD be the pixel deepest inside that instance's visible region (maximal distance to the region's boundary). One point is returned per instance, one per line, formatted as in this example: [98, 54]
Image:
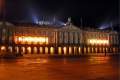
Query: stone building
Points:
[67, 39]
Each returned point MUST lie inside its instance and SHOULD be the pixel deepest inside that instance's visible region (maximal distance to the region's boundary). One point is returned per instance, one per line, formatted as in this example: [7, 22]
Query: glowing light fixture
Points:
[3, 48]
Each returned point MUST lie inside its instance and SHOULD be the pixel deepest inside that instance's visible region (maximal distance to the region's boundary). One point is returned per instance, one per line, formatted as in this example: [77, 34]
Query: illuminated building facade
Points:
[63, 40]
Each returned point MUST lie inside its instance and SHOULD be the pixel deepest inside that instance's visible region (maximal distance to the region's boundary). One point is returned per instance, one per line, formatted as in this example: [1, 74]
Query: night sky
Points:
[95, 13]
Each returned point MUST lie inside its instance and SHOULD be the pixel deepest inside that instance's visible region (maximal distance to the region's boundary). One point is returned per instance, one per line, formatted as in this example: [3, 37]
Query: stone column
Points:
[56, 50]
[68, 37]
[32, 49]
[43, 48]
[49, 49]
[38, 50]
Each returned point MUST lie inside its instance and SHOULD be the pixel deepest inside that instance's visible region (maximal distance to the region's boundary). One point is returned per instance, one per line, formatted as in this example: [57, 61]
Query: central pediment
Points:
[70, 27]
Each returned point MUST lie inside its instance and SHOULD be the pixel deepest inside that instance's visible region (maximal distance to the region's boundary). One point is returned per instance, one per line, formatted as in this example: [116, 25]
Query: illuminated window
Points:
[98, 41]
[30, 40]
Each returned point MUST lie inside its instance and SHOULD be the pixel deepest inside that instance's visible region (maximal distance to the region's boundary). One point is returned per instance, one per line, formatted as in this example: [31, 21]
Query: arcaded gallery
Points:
[68, 39]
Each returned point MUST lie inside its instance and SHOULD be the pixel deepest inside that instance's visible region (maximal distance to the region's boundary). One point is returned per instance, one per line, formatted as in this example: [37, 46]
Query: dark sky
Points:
[93, 12]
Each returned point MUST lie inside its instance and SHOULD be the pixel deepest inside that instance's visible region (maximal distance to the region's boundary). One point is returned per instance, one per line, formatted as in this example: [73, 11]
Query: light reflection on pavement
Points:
[83, 68]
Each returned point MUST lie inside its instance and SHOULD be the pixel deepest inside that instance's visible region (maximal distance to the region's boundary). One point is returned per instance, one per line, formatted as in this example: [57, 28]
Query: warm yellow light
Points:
[30, 40]
[98, 41]
[98, 60]
[65, 50]
[3, 47]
